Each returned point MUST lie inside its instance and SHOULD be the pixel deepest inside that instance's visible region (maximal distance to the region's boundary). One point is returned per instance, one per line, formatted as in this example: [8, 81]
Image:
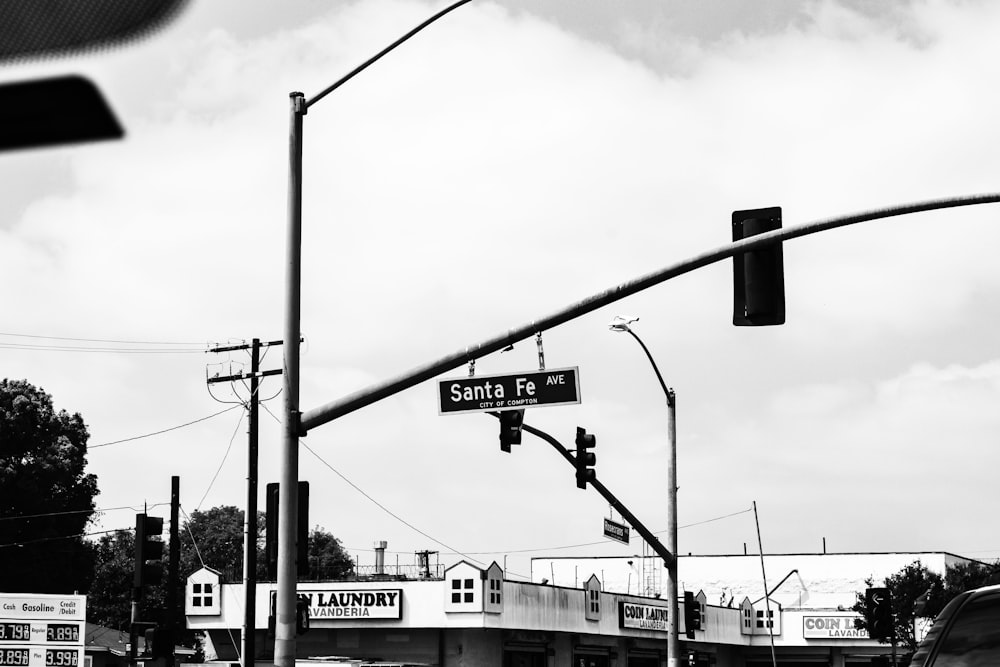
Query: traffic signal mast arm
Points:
[668, 558]
[352, 402]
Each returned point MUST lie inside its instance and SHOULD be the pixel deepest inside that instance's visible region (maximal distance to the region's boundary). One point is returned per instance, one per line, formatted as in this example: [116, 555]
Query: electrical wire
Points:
[372, 500]
[166, 430]
[116, 350]
[95, 511]
[583, 544]
[223, 461]
[60, 537]
[469, 555]
[96, 340]
[383, 507]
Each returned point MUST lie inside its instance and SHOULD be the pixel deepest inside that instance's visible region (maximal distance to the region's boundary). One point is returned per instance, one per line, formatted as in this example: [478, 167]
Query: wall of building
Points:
[820, 581]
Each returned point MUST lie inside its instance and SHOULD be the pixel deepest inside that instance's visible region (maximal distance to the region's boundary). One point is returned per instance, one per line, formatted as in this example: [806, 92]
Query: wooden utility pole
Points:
[250, 515]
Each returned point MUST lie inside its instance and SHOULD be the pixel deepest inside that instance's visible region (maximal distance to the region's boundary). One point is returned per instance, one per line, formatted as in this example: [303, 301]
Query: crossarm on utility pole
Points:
[668, 558]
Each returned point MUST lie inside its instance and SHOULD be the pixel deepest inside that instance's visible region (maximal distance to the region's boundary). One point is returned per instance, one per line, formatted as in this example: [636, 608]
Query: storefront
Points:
[473, 616]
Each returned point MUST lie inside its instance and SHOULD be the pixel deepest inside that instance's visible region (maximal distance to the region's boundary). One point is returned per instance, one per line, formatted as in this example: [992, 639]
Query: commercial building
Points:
[599, 612]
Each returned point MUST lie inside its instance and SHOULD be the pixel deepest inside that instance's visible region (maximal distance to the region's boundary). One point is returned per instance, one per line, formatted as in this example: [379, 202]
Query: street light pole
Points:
[673, 637]
[288, 479]
[293, 428]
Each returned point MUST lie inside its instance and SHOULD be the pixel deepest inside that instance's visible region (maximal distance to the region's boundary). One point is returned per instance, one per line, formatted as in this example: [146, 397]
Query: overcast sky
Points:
[515, 158]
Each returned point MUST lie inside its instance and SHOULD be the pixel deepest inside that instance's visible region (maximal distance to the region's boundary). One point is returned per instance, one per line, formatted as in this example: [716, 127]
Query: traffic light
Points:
[758, 275]
[585, 460]
[692, 614]
[157, 642]
[510, 428]
[878, 601]
[148, 551]
[301, 615]
[271, 530]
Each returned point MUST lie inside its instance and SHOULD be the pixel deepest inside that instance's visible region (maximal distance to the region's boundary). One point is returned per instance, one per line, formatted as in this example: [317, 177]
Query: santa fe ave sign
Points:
[560, 386]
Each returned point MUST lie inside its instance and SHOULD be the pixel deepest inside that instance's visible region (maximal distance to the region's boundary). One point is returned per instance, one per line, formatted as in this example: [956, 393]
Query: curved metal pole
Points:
[666, 391]
[671, 591]
[356, 401]
[378, 56]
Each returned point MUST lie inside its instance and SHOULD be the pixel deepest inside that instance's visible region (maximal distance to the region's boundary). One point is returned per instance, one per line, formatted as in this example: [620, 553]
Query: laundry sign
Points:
[357, 604]
[832, 627]
[642, 616]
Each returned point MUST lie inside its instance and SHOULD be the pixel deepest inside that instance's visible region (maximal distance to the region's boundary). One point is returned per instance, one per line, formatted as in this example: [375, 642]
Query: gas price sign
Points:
[40, 656]
[42, 630]
[39, 632]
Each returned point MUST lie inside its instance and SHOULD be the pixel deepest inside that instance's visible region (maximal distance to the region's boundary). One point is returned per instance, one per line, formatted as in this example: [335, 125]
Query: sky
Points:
[512, 159]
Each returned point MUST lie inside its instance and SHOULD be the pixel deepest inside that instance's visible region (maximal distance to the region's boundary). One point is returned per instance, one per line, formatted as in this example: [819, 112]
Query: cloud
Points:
[497, 168]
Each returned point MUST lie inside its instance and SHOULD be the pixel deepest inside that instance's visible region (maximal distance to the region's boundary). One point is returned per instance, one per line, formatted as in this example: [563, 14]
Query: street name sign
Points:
[559, 386]
[616, 531]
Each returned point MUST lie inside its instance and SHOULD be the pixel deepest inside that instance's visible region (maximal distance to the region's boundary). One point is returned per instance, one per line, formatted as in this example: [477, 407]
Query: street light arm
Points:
[386, 388]
[378, 56]
[669, 393]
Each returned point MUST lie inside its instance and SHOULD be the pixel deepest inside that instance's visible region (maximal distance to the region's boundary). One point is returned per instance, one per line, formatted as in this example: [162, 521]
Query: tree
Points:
[47, 499]
[905, 587]
[218, 543]
[214, 538]
[918, 592]
[327, 557]
[966, 576]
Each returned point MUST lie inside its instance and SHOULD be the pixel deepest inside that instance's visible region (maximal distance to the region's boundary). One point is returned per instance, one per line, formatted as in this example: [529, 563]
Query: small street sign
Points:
[559, 386]
[616, 531]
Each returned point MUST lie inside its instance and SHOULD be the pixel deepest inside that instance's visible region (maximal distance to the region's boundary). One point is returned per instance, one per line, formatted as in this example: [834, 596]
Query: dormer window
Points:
[202, 595]
[462, 590]
[495, 591]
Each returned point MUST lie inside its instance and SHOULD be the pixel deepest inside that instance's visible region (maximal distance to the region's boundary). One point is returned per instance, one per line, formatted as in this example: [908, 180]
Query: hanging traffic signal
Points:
[585, 460]
[510, 428]
[878, 601]
[692, 614]
[148, 551]
[158, 643]
[758, 275]
[271, 530]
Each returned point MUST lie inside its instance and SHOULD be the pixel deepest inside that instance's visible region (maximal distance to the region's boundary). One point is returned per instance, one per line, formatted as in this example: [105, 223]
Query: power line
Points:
[98, 340]
[166, 430]
[116, 350]
[586, 544]
[479, 553]
[95, 511]
[372, 500]
[222, 462]
[60, 537]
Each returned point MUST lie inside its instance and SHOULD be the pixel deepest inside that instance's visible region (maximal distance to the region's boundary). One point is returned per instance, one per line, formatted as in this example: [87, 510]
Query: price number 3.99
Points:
[61, 658]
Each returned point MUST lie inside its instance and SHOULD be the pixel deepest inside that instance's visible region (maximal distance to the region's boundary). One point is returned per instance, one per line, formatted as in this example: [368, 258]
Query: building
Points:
[574, 612]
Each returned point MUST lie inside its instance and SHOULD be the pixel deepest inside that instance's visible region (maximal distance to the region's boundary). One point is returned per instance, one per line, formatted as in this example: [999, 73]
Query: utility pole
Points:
[250, 515]
[173, 571]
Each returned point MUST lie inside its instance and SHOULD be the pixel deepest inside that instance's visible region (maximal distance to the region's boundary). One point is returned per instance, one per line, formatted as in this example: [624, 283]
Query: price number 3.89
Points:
[14, 657]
